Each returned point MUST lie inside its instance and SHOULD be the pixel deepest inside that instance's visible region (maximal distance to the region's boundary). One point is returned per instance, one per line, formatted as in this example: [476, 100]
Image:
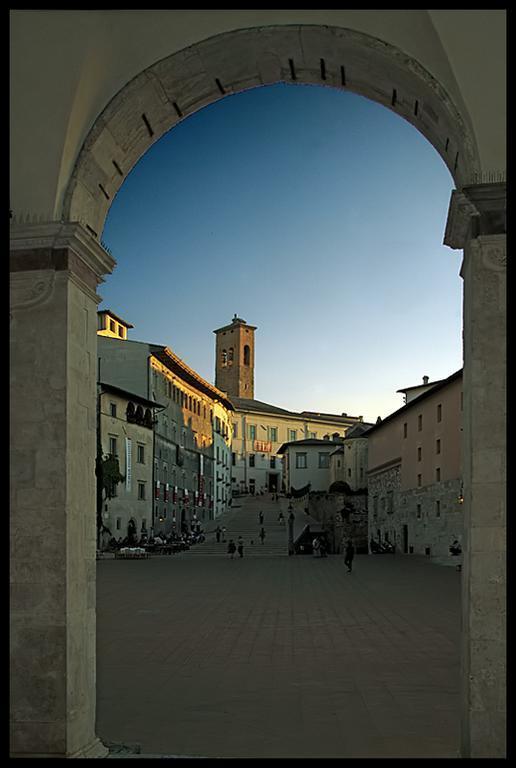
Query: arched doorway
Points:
[58, 266]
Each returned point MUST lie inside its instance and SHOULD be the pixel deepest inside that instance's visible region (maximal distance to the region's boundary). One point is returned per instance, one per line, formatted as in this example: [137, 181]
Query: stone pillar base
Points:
[95, 749]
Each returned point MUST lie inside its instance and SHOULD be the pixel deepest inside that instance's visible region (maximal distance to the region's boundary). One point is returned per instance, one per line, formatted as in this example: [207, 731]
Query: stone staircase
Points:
[243, 520]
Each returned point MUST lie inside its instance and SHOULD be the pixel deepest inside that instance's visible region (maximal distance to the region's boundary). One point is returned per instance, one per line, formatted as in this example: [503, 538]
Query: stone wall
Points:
[344, 515]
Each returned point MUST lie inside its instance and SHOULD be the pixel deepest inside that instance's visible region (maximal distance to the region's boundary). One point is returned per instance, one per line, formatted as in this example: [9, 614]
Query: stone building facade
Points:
[126, 432]
[344, 515]
[415, 472]
[185, 482]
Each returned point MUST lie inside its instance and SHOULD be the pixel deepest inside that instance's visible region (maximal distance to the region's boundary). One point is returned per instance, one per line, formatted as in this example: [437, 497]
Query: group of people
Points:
[178, 541]
[238, 547]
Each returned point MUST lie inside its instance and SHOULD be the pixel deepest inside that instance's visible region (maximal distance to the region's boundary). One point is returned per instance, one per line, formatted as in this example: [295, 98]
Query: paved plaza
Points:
[280, 656]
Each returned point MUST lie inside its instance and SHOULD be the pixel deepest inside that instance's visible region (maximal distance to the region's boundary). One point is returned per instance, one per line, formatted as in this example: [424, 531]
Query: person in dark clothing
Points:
[231, 549]
[262, 534]
[350, 553]
[261, 518]
[240, 547]
[217, 533]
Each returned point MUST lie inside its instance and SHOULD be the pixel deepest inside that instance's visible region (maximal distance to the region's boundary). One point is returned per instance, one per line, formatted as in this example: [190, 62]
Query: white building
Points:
[307, 462]
[126, 433]
[222, 430]
[348, 462]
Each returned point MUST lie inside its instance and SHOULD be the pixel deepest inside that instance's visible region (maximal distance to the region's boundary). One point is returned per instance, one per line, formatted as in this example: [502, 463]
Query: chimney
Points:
[425, 380]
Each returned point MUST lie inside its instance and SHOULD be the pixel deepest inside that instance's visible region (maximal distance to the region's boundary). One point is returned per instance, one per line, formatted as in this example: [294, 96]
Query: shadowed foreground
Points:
[279, 657]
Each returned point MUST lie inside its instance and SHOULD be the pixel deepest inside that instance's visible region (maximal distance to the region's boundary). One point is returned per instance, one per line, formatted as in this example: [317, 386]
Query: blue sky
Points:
[312, 213]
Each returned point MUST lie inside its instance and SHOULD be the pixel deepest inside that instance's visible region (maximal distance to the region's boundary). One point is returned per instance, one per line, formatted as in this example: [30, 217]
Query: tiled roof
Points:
[181, 369]
[247, 404]
[310, 441]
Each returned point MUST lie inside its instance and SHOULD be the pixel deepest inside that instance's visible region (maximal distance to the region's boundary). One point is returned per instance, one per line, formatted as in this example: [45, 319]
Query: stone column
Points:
[476, 223]
[55, 270]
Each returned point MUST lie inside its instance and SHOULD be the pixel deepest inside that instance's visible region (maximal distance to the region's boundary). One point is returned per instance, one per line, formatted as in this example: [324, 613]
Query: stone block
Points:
[38, 738]
[486, 539]
[38, 672]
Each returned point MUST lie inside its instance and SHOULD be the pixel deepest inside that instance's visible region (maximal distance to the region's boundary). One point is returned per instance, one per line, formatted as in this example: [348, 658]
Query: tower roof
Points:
[236, 321]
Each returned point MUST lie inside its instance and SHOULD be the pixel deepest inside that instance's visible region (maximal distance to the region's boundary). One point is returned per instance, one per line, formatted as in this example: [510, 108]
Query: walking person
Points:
[349, 555]
[217, 533]
[315, 546]
[281, 519]
[261, 518]
[262, 534]
[240, 547]
[231, 549]
[223, 533]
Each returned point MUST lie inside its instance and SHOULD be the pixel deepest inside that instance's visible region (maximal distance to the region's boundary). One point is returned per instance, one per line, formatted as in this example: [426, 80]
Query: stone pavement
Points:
[279, 656]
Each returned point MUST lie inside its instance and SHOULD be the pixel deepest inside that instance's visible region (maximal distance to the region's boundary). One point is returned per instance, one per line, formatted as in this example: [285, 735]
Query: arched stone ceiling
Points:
[175, 87]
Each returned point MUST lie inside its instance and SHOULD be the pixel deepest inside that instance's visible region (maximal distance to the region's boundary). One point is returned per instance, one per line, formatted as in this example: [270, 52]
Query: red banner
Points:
[262, 446]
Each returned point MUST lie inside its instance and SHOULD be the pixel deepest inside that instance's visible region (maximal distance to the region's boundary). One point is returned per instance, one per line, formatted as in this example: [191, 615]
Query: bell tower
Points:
[234, 358]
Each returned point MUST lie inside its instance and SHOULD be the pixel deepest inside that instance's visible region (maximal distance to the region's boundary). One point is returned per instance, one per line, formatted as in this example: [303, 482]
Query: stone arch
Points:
[175, 87]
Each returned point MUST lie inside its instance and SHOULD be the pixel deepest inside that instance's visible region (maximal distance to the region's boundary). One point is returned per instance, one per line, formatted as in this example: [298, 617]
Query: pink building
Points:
[414, 470]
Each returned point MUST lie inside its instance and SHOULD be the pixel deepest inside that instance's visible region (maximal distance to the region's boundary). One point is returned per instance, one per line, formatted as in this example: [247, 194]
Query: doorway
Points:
[405, 539]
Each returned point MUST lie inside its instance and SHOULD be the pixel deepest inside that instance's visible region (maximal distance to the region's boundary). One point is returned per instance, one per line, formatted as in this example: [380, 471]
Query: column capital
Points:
[477, 209]
[41, 246]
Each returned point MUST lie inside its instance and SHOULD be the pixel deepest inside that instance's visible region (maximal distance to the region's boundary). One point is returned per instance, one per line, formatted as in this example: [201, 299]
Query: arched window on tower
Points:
[247, 355]
[230, 355]
[224, 357]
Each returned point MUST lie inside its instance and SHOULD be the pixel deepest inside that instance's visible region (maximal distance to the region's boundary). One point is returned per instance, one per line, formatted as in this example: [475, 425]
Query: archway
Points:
[174, 87]
[67, 264]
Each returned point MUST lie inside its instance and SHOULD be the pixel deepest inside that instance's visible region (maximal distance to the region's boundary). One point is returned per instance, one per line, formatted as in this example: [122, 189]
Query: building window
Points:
[390, 502]
[438, 509]
[140, 454]
[349, 473]
[324, 460]
[419, 454]
[439, 412]
[338, 463]
[418, 508]
[273, 434]
[405, 429]
[118, 523]
[438, 475]
[112, 410]
[300, 460]
[231, 355]
[273, 462]
[235, 430]
[247, 355]
[419, 481]
[252, 432]
[420, 422]
[313, 435]
[292, 435]
[113, 446]
[438, 446]
[224, 357]
[141, 491]
[233, 459]
[375, 506]
[251, 460]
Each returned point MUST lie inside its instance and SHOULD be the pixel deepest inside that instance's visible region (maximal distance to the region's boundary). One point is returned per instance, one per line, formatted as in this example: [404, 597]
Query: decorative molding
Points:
[56, 235]
[493, 250]
[30, 289]
[458, 224]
